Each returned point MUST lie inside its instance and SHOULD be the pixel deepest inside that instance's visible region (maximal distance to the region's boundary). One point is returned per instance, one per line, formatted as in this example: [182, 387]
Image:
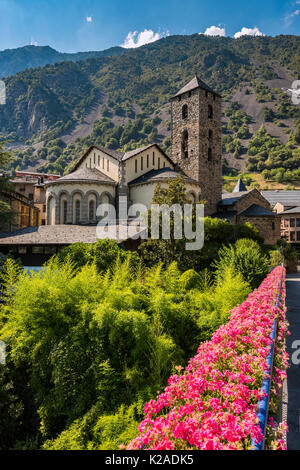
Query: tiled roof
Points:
[84, 175]
[61, 235]
[287, 198]
[229, 199]
[294, 210]
[158, 175]
[193, 84]
[257, 211]
[50, 235]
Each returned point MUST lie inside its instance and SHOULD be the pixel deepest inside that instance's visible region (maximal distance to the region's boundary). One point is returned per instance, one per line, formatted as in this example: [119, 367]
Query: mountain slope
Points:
[123, 101]
[13, 61]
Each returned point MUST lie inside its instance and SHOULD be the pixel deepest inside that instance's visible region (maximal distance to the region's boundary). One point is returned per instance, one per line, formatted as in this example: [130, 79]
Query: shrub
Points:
[213, 404]
[93, 341]
[247, 259]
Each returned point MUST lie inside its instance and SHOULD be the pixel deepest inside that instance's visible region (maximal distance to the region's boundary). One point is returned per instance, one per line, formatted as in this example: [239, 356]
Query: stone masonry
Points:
[198, 112]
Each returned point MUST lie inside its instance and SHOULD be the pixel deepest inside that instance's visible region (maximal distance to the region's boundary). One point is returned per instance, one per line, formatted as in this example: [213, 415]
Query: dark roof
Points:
[287, 198]
[229, 199]
[112, 153]
[224, 215]
[160, 175]
[294, 210]
[91, 175]
[239, 187]
[193, 85]
[258, 211]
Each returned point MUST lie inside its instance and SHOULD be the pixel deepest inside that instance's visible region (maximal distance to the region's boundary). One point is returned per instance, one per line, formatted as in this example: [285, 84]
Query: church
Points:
[104, 175]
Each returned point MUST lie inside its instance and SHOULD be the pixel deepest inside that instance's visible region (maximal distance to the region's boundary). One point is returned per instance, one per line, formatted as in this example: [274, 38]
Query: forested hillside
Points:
[13, 61]
[55, 112]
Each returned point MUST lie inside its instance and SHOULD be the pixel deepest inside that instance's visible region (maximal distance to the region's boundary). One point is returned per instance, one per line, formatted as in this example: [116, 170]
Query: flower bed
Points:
[213, 404]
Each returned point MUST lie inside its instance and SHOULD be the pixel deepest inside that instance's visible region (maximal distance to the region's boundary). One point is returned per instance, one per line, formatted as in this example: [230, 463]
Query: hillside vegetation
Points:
[13, 61]
[54, 113]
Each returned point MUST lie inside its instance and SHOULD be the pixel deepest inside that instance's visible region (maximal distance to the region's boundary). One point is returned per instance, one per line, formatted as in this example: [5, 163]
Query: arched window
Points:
[185, 111]
[210, 112]
[210, 135]
[91, 210]
[209, 155]
[77, 211]
[65, 212]
[185, 144]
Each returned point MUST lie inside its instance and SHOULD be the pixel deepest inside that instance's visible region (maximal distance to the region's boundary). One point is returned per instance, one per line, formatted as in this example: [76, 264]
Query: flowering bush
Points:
[213, 404]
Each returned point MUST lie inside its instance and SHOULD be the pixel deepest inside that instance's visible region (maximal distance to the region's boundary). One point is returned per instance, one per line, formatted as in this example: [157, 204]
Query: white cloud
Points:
[136, 39]
[89, 19]
[290, 17]
[248, 32]
[33, 42]
[215, 31]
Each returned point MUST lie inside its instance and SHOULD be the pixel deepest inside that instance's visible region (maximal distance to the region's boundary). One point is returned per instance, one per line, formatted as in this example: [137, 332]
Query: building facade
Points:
[103, 175]
[69, 204]
[31, 185]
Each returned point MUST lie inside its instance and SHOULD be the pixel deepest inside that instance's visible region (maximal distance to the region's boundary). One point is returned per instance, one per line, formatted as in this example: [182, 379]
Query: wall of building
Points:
[199, 164]
[290, 227]
[71, 192]
[102, 162]
[269, 227]
[150, 159]
[143, 193]
[254, 197]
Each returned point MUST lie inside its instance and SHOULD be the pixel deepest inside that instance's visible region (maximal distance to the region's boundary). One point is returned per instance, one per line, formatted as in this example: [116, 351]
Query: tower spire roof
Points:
[240, 186]
[193, 85]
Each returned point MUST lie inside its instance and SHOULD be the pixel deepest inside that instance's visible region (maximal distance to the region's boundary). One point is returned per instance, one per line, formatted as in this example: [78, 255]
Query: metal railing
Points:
[263, 404]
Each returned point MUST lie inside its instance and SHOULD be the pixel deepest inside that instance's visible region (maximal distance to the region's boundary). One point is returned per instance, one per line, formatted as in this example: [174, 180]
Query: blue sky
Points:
[82, 25]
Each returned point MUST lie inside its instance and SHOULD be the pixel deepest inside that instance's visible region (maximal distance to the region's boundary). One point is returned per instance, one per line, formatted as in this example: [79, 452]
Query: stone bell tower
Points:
[196, 138]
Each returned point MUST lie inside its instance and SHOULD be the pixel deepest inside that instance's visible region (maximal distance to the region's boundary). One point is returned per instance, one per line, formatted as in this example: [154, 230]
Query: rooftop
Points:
[193, 85]
[50, 235]
[239, 187]
[160, 175]
[229, 199]
[287, 198]
[294, 210]
[60, 235]
[257, 211]
[91, 175]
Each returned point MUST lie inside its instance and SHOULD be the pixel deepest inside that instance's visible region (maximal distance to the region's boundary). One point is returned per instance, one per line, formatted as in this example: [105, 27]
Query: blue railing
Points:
[263, 404]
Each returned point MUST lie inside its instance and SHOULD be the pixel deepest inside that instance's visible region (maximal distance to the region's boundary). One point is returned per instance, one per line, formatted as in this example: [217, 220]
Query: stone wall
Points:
[204, 133]
[254, 197]
[269, 227]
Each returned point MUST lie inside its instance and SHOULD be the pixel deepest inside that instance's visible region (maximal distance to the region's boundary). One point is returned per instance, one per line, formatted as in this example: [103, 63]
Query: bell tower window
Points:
[185, 111]
[185, 144]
